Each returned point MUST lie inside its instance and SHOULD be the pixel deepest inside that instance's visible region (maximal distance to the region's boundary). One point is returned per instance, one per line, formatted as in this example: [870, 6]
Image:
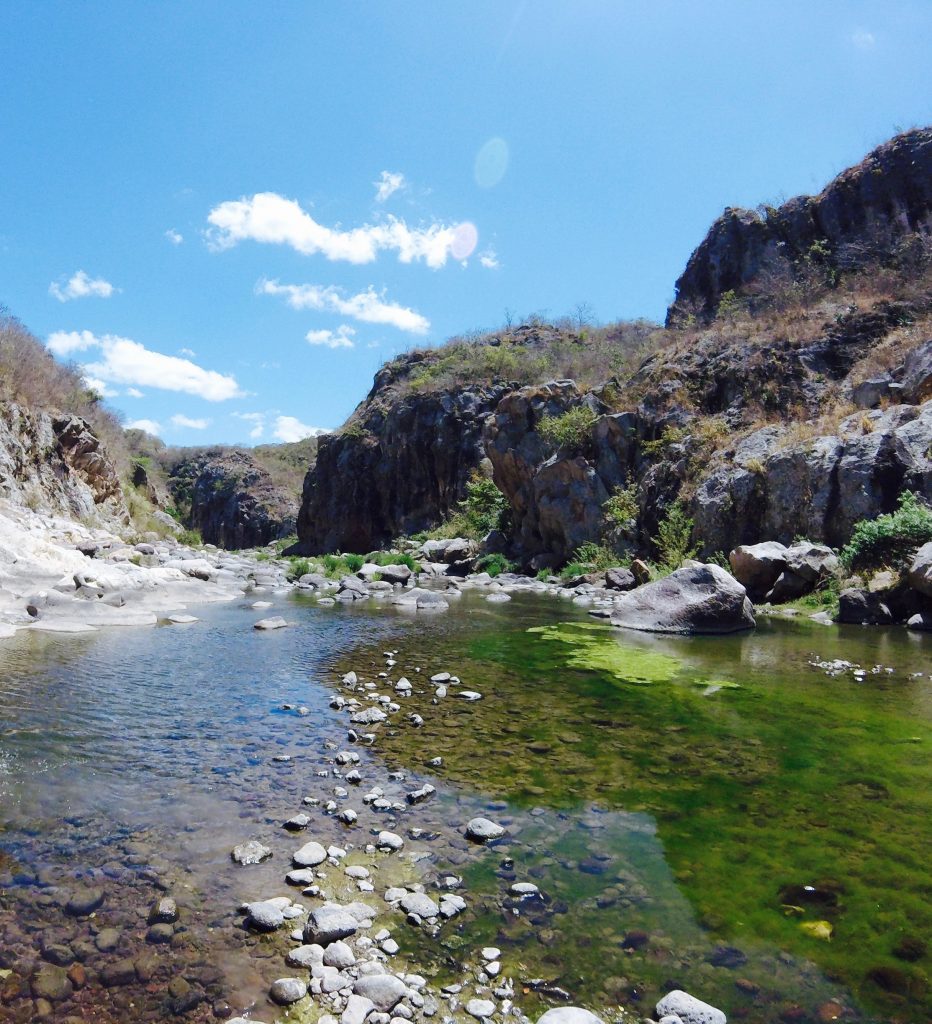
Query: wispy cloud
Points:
[180, 420]
[127, 362]
[81, 286]
[342, 337]
[257, 419]
[134, 393]
[270, 218]
[863, 39]
[368, 306]
[289, 428]
[388, 184]
[489, 259]
[149, 426]
[175, 237]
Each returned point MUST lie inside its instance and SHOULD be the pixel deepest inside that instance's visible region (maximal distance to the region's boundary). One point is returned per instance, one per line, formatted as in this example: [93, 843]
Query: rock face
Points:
[399, 468]
[57, 464]
[857, 219]
[231, 499]
[775, 488]
[694, 599]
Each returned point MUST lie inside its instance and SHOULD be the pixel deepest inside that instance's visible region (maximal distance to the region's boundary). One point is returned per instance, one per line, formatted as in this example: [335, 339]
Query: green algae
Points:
[758, 772]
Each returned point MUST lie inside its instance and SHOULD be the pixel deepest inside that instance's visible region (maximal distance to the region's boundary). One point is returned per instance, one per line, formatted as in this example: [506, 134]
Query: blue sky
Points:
[233, 213]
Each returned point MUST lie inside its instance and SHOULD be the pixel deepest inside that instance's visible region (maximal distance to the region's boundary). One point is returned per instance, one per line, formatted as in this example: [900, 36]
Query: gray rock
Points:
[164, 911]
[689, 1009]
[568, 1015]
[384, 990]
[286, 991]
[338, 954]
[395, 573]
[389, 841]
[357, 1009]
[264, 916]
[917, 374]
[870, 393]
[705, 599]
[480, 1008]
[620, 579]
[481, 830]
[757, 566]
[275, 622]
[419, 903]
[370, 716]
[305, 956]
[920, 570]
[251, 852]
[84, 902]
[329, 923]
[310, 855]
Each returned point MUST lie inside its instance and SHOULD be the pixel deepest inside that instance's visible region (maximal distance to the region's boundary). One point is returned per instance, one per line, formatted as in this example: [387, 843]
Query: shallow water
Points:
[693, 810]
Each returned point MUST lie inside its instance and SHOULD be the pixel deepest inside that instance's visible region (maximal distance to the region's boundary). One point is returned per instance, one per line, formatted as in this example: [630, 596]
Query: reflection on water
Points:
[664, 794]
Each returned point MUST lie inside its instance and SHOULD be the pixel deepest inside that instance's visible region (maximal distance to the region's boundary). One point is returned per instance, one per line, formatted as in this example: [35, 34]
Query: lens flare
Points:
[491, 163]
[465, 240]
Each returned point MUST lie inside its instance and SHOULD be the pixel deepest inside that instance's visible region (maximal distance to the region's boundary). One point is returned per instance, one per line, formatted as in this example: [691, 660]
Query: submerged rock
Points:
[481, 830]
[695, 599]
[252, 852]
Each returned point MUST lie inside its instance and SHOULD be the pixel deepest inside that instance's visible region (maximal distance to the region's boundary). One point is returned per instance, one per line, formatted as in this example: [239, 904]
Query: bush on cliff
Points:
[483, 509]
[889, 540]
[674, 537]
[571, 431]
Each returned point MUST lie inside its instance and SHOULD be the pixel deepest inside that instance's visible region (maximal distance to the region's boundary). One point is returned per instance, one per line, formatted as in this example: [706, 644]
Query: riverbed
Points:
[742, 817]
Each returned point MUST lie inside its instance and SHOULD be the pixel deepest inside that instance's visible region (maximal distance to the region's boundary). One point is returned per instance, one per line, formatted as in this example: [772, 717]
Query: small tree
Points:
[674, 534]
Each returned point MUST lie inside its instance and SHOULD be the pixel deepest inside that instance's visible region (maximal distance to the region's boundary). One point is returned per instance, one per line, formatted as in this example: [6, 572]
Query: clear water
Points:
[713, 814]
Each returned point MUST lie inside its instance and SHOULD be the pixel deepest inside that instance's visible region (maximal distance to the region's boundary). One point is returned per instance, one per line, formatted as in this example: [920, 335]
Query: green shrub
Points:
[483, 509]
[674, 534]
[670, 436]
[590, 557]
[543, 575]
[889, 540]
[393, 558]
[299, 567]
[354, 562]
[494, 565]
[572, 431]
[621, 510]
[191, 538]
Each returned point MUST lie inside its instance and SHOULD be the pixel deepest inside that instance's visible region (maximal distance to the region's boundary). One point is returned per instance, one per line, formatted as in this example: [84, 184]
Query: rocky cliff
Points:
[402, 464]
[232, 500]
[55, 463]
[879, 209]
[774, 420]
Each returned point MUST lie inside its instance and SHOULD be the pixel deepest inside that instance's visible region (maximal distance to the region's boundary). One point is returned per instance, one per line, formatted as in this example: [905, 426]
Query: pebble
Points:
[310, 855]
[286, 991]
[250, 853]
[481, 830]
[480, 1008]
[384, 991]
[688, 1008]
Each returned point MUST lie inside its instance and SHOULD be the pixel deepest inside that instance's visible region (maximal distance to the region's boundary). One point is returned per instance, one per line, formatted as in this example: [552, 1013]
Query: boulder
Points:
[620, 579]
[920, 570]
[689, 1009]
[455, 549]
[568, 1015]
[385, 991]
[394, 573]
[329, 923]
[758, 566]
[690, 600]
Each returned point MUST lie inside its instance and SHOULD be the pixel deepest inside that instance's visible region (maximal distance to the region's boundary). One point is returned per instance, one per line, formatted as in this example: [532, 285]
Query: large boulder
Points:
[454, 549]
[758, 566]
[920, 571]
[694, 599]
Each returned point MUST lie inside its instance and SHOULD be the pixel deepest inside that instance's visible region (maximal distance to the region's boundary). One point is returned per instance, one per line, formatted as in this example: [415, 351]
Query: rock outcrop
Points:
[56, 463]
[861, 217]
[399, 467]
[771, 486]
[232, 500]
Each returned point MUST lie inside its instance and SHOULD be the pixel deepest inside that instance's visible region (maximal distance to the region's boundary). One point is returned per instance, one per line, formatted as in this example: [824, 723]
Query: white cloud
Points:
[863, 39]
[134, 393]
[180, 420]
[175, 237]
[149, 426]
[489, 259]
[368, 306]
[273, 219]
[288, 428]
[189, 352]
[81, 286]
[257, 419]
[100, 387]
[124, 361]
[388, 184]
[342, 337]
